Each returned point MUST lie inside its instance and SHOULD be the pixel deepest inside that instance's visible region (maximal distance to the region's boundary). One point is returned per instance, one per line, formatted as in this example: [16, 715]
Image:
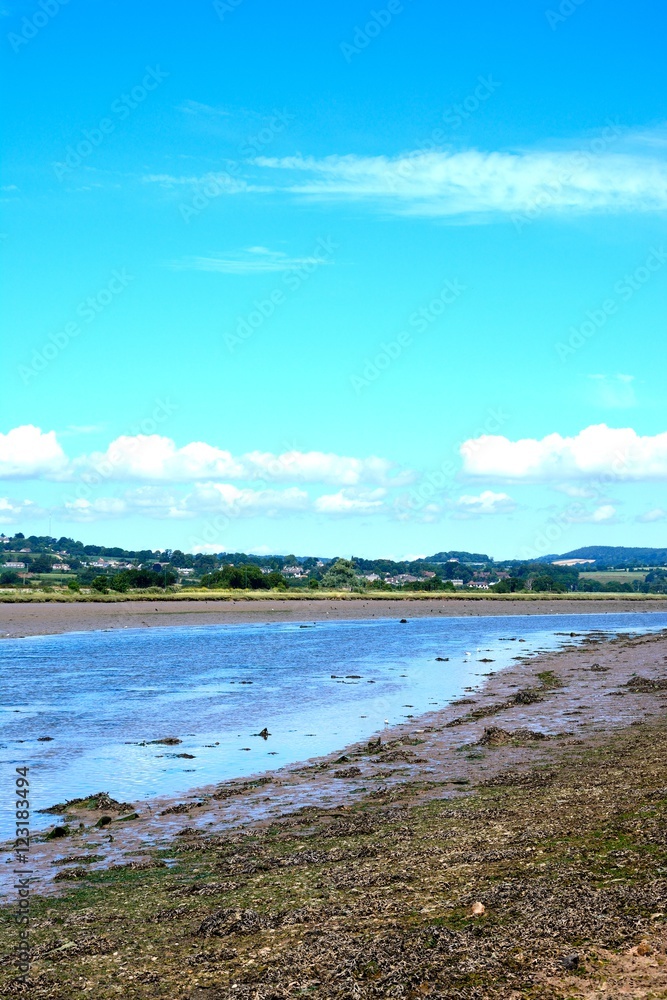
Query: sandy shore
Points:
[48, 618]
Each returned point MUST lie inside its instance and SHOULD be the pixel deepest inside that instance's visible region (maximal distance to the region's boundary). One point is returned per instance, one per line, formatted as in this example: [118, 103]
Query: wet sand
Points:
[516, 719]
[51, 617]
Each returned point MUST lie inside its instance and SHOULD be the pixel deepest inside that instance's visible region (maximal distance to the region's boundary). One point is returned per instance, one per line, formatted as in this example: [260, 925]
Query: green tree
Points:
[340, 576]
[100, 584]
[42, 564]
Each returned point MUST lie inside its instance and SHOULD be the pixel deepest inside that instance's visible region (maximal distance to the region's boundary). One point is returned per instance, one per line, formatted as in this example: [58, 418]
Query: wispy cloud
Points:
[208, 110]
[651, 516]
[223, 182]
[615, 392]
[486, 503]
[252, 260]
[475, 181]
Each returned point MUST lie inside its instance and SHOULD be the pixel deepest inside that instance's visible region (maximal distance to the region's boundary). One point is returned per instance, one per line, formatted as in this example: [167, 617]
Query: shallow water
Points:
[101, 695]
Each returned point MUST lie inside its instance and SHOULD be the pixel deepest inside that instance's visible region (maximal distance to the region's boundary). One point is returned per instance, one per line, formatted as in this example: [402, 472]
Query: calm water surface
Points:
[100, 695]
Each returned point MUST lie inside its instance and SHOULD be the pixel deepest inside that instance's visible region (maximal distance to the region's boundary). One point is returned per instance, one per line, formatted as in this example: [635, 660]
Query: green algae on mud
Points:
[376, 900]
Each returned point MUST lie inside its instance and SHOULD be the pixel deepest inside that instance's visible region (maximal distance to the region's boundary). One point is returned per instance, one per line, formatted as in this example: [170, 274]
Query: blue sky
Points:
[335, 278]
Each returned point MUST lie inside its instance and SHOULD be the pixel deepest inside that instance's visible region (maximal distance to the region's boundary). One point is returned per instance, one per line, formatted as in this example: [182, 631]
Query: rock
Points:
[264, 733]
[58, 831]
[100, 800]
[404, 621]
[441, 659]
[167, 741]
[570, 962]
[44, 739]
[644, 948]
[478, 909]
[103, 821]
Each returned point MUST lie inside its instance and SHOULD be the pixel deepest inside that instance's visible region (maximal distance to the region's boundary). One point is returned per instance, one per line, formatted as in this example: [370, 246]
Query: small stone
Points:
[570, 962]
[644, 948]
[478, 909]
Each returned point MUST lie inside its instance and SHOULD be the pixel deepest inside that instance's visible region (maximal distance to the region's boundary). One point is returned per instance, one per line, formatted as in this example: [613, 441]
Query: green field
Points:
[614, 576]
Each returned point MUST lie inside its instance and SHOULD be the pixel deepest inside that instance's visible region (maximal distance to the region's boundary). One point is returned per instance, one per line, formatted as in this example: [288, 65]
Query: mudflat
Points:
[510, 845]
[34, 617]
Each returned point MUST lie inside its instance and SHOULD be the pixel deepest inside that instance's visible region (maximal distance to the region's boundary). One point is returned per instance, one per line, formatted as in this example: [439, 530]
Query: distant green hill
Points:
[462, 557]
[607, 556]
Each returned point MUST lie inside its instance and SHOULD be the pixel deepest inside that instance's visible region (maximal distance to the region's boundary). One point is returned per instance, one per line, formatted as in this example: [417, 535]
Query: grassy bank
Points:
[569, 862]
[36, 597]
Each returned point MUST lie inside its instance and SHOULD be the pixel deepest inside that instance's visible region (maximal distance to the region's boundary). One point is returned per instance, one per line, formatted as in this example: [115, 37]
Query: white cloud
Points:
[27, 451]
[101, 508]
[603, 514]
[205, 499]
[154, 458]
[149, 457]
[487, 502]
[473, 181]
[597, 451]
[322, 467]
[12, 511]
[351, 502]
[651, 516]
[253, 260]
[223, 498]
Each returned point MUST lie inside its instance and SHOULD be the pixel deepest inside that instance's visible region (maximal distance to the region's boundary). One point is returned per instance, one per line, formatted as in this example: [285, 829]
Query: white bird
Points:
[386, 722]
[467, 653]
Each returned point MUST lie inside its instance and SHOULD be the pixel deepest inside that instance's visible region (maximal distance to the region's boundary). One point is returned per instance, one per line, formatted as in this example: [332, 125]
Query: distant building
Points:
[457, 583]
[479, 584]
[185, 571]
[402, 578]
[428, 574]
[293, 571]
[372, 577]
[61, 567]
[14, 565]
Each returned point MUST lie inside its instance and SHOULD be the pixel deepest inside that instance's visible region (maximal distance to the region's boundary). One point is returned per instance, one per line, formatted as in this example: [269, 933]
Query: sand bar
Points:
[48, 618]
